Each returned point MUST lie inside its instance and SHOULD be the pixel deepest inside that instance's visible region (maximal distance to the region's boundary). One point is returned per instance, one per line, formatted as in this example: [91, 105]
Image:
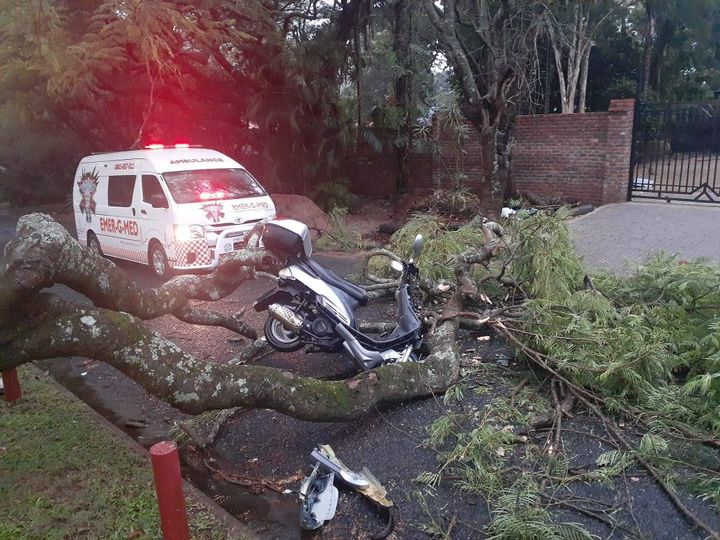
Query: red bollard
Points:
[169, 489]
[12, 385]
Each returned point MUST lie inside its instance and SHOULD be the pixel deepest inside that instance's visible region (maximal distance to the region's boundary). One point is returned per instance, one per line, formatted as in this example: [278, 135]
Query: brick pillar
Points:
[621, 116]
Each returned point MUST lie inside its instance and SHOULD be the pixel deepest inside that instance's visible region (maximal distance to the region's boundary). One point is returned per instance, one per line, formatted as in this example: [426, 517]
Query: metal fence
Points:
[675, 152]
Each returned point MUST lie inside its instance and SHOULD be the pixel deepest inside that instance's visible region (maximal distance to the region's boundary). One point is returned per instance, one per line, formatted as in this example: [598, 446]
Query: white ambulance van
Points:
[175, 208]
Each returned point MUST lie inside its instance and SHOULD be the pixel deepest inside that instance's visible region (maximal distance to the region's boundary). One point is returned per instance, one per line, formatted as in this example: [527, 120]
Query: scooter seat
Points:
[332, 279]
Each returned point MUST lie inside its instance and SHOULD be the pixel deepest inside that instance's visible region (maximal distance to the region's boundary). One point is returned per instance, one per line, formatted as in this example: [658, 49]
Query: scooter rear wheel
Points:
[280, 338]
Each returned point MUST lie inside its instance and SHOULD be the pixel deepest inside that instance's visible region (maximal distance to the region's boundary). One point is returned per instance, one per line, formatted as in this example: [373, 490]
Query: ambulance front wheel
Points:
[159, 261]
[94, 243]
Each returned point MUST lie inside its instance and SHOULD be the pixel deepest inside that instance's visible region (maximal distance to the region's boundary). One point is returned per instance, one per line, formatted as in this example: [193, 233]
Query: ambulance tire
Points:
[94, 243]
[158, 261]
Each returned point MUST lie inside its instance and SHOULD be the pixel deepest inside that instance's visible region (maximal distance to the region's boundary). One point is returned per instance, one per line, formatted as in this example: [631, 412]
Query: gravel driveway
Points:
[616, 236]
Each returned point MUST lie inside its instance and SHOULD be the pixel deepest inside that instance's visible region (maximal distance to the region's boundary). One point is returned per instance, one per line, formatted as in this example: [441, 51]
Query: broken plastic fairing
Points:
[318, 499]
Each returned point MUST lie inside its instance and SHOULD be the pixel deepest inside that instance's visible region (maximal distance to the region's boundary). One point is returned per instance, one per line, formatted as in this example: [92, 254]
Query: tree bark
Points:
[583, 80]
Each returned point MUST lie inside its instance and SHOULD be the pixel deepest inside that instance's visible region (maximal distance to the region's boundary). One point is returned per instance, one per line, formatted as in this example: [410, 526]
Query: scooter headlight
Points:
[285, 273]
[183, 233]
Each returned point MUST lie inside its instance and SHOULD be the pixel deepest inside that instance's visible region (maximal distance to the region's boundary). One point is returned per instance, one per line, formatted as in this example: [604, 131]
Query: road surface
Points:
[617, 237]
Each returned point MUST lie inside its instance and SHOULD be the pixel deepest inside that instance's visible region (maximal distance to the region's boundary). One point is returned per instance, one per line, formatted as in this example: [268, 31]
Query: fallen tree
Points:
[638, 353]
[36, 324]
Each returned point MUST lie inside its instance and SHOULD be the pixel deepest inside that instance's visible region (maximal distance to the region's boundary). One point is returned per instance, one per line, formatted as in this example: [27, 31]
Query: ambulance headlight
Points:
[183, 233]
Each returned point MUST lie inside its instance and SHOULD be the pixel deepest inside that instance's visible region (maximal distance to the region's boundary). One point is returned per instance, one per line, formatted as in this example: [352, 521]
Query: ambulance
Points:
[175, 208]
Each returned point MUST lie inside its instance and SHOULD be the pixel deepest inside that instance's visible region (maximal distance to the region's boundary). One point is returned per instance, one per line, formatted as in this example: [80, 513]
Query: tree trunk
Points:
[491, 188]
[548, 79]
[650, 35]
[584, 79]
[402, 33]
[572, 54]
[665, 32]
[489, 46]
[565, 107]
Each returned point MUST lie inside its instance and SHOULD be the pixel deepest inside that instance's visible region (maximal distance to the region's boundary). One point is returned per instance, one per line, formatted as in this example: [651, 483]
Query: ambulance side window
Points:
[152, 192]
[120, 190]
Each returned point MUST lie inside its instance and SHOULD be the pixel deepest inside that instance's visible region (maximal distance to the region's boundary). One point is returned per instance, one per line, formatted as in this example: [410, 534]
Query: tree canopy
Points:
[292, 88]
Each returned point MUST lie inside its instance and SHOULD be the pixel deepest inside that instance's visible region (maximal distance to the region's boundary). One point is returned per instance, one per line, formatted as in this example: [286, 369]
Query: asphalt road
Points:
[149, 420]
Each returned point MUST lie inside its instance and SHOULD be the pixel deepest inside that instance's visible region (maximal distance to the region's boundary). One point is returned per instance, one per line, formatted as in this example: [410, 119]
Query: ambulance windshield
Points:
[212, 184]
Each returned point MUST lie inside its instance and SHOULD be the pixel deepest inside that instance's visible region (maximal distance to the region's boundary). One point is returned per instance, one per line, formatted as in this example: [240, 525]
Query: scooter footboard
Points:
[398, 339]
[364, 358]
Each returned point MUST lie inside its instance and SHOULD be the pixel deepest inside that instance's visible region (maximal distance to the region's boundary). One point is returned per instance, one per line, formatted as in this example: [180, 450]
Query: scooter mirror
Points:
[396, 265]
[418, 246]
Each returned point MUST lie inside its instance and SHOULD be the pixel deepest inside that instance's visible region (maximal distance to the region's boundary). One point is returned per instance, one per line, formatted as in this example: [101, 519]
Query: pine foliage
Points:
[442, 245]
[480, 451]
[651, 339]
[521, 516]
[647, 344]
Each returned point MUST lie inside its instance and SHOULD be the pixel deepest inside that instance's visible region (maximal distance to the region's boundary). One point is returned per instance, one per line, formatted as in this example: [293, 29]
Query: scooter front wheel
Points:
[280, 338]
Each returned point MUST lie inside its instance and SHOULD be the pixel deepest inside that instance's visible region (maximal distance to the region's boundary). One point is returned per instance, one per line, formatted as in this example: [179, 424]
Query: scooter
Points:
[312, 305]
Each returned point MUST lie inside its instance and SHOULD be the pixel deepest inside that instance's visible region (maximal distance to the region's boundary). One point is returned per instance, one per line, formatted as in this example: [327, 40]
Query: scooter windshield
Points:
[212, 184]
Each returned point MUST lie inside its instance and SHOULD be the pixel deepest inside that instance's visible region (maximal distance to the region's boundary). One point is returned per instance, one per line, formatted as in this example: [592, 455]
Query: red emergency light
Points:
[157, 146]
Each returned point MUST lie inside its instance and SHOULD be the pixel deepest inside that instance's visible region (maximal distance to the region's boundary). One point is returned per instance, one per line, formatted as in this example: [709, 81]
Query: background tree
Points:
[253, 79]
[616, 63]
[572, 27]
[290, 88]
[663, 21]
[490, 46]
[36, 147]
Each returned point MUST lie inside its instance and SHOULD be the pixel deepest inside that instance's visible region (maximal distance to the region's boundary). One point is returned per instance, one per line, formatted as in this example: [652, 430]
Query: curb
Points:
[234, 527]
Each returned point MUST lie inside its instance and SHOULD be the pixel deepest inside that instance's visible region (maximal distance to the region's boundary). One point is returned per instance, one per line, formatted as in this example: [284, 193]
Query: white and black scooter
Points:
[314, 306]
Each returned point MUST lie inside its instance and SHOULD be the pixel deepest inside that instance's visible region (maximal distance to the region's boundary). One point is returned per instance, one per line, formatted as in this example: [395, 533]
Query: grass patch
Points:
[63, 475]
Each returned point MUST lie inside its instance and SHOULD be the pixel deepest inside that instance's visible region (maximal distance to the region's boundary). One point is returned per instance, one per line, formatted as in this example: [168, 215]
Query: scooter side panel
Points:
[324, 290]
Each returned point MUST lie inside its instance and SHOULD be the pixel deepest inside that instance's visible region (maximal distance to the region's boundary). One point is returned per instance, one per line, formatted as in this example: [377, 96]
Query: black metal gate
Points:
[675, 152]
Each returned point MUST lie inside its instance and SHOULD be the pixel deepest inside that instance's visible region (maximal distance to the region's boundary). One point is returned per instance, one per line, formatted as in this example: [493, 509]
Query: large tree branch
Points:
[43, 253]
[56, 328]
[445, 27]
[39, 325]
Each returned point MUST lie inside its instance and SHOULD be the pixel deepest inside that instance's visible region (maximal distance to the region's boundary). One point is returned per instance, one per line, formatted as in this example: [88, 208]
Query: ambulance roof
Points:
[169, 159]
